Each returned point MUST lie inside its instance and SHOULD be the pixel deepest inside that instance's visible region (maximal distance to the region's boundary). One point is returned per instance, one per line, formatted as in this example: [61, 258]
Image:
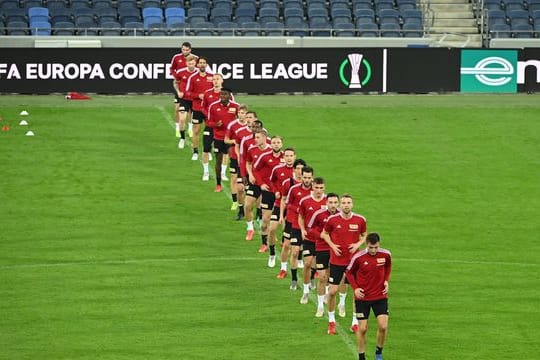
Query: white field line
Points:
[167, 117]
[245, 258]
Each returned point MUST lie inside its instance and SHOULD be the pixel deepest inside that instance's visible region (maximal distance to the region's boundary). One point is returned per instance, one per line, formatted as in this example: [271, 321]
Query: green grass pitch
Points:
[111, 246]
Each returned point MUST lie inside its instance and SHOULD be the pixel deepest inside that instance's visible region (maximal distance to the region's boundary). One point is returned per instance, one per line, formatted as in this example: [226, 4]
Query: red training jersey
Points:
[344, 232]
[279, 173]
[264, 166]
[295, 194]
[252, 155]
[178, 62]
[219, 117]
[231, 134]
[196, 85]
[369, 272]
[316, 226]
[181, 77]
[307, 208]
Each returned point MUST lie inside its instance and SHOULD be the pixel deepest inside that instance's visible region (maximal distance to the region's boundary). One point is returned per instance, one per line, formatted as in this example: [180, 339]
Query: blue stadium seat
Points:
[152, 12]
[226, 28]
[76, 4]
[129, 15]
[9, 4]
[368, 30]
[268, 15]
[219, 15]
[223, 4]
[60, 14]
[111, 28]
[14, 14]
[317, 12]
[205, 29]
[390, 30]
[66, 28]
[321, 28]
[252, 28]
[500, 30]
[40, 28]
[105, 14]
[270, 4]
[293, 12]
[150, 4]
[345, 30]
[200, 4]
[126, 4]
[289, 4]
[412, 30]
[174, 4]
[17, 27]
[516, 17]
[157, 29]
[174, 11]
[178, 29]
[360, 13]
[296, 27]
[522, 31]
[27, 4]
[151, 21]
[98, 4]
[274, 28]
[133, 28]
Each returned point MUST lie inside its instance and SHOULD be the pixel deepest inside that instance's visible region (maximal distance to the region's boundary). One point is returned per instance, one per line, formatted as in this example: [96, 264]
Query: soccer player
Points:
[196, 85]
[286, 184]
[314, 228]
[368, 273]
[295, 194]
[344, 233]
[210, 96]
[307, 207]
[278, 175]
[182, 104]
[237, 190]
[220, 114]
[179, 62]
[253, 191]
[263, 169]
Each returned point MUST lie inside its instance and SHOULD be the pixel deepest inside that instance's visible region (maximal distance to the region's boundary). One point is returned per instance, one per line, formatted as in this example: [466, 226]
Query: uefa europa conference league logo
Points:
[489, 71]
[355, 61]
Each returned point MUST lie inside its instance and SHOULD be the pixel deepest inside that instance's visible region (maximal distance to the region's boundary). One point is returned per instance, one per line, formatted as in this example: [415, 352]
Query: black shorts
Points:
[197, 117]
[183, 105]
[296, 237]
[336, 274]
[253, 190]
[220, 147]
[363, 308]
[286, 235]
[275, 214]
[208, 139]
[267, 200]
[233, 167]
[323, 259]
[308, 248]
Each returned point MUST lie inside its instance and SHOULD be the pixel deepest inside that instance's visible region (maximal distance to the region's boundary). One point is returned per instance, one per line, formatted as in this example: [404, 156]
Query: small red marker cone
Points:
[5, 128]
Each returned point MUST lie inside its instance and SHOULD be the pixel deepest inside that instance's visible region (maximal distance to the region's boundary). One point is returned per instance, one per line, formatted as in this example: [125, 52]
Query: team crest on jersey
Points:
[338, 227]
[366, 263]
[353, 226]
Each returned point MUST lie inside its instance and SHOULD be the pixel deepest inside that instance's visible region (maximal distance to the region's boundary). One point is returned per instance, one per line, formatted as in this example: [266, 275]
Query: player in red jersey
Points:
[179, 62]
[220, 114]
[278, 175]
[253, 191]
[344, 233]
[369, 273]
[237, 190]
[196, 85]
[264, 166]
[295, 194]
[182, 104]
[307, 207]
[314, 228]
[286, 184]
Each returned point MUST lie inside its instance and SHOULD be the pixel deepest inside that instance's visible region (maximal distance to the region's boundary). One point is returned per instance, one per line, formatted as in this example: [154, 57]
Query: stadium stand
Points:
[339, 18]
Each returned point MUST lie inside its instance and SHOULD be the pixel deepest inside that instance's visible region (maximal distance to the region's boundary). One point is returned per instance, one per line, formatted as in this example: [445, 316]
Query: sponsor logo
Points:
[359, 66]
[366, 263]
[381, 260]
[489, 71]
[353, 226]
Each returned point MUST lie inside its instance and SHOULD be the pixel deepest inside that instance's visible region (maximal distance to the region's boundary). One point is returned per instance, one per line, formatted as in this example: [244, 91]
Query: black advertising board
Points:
[528, 76]
[269, 70]
[138, 70]
[423, 70]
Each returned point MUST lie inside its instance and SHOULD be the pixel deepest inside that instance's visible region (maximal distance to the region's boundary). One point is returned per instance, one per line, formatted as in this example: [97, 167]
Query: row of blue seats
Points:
[522, 31]
[512, 4]
[224, 29]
